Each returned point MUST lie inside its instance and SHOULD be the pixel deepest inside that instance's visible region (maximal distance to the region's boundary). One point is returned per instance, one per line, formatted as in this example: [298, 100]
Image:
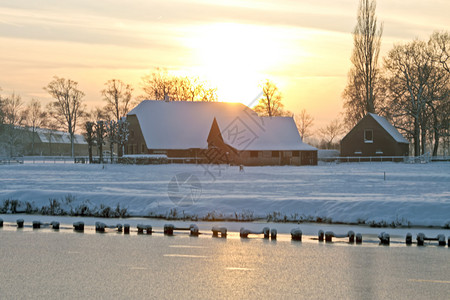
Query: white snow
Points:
[415, 194]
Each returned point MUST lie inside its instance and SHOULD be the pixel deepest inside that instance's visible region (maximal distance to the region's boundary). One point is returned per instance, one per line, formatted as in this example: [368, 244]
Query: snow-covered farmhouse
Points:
[373, 135]
[215, 132]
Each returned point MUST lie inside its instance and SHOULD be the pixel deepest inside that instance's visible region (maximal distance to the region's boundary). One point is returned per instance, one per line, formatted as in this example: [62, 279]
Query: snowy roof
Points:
[279, 133]
[397, 136]
[185, 125]
[57, 137]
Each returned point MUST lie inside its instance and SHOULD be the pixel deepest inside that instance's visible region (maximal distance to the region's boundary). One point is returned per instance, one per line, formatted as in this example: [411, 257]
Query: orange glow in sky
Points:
[302, 46]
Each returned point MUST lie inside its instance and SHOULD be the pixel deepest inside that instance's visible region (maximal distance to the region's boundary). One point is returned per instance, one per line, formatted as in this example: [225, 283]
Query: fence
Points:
[54, 160]
[11, 160]
[426, 158]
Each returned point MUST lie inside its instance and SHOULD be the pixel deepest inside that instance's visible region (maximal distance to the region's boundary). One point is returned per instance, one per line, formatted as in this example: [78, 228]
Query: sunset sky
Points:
[302, 46]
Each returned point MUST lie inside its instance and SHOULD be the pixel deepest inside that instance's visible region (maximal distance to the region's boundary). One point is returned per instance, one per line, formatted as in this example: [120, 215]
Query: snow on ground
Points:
[406, 194]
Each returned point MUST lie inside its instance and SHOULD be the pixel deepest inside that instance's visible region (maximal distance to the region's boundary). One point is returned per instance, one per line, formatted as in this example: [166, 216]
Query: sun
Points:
[237, 57]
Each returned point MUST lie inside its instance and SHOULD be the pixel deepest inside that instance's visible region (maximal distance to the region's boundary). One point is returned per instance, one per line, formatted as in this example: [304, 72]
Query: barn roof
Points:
[397, 136]
[185, 125]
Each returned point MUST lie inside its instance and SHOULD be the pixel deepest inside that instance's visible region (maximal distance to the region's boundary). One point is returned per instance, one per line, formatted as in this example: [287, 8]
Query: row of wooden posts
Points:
[296, 233]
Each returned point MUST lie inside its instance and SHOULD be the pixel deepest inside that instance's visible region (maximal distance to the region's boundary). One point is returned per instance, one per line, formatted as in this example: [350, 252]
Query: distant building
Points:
[51, 142]
[215, 132]
[374, 136]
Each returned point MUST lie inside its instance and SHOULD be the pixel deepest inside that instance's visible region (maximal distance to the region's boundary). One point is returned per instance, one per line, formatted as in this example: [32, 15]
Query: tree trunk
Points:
[100, 149]
[90, 152]
[423, 139]
[111, 149]
[32, 142]
[72, 144]
[436, 141]
[416, 138]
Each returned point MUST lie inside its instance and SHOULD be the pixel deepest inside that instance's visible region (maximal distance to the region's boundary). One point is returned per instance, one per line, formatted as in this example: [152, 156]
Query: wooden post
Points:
[408, 239]
[215, 232]
[193, 229]
[100, 227]
[441, 239]
[168, 229]
[36, 224]
[321, 235]
[140, 228]
[329, 236]
[420, 239]
[359, 238]
[78, 226]
[1, 222]
[385, 238]
[222, 230]
[19, 223]
[266, 231]
[243, 233]
[55, 225]
[296, 234]
[126, 228]
[119, 227]
[273, 234]
[351, 236]
[149, 229]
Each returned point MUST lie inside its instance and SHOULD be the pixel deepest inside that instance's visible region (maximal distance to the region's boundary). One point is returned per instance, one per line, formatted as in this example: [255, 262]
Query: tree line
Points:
[411, 88]
[68, 112]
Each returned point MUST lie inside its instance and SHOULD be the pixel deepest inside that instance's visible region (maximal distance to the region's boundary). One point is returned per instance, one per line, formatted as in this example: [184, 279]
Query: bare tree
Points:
[2, 115]
[304, 122]
[122, 134]
[360, 94]
[331, 131]
[68, 105]
[112, 134]
[160, 85]
[96, 114]
[12, 120]
[436, 115]
[100, 134]
[117, 95]
[271, 102]
[90, 137]
[411, 71]
[34, 118]
[440, 42]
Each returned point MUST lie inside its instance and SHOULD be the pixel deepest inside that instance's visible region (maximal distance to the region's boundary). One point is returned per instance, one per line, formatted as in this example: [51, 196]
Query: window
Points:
[296, 153]
[275, 154]
[253, 153]
[368, 136]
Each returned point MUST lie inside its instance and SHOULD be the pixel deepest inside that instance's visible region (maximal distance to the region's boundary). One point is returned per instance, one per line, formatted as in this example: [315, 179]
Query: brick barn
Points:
[215, 132]
[374, 136]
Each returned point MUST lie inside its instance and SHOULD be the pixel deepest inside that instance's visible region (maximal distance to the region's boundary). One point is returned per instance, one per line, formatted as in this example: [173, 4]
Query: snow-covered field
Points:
[403, 194]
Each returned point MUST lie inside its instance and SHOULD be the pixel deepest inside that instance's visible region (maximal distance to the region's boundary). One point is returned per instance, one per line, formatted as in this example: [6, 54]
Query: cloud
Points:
[159, 23]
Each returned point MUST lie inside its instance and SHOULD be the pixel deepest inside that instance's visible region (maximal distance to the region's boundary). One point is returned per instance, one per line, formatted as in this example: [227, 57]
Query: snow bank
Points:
[412, 194]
